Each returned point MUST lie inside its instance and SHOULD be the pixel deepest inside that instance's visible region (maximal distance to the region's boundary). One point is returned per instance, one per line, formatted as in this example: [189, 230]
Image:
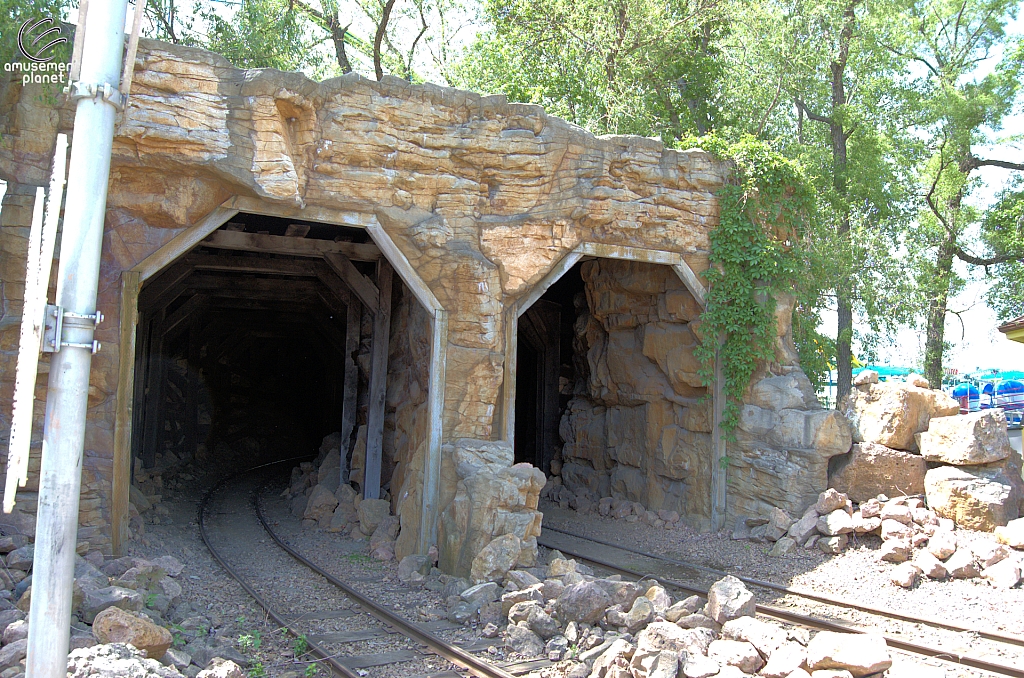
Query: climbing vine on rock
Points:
[755, 252]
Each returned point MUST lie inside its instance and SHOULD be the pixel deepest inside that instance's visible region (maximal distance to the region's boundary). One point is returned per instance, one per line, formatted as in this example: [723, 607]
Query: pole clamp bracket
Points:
[56, 319]
[92, 90]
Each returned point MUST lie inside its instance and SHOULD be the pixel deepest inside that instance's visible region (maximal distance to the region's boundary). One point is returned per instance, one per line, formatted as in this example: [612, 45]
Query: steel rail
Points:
[325, 656]
[813, 622]
[813, 595]
[455, 655]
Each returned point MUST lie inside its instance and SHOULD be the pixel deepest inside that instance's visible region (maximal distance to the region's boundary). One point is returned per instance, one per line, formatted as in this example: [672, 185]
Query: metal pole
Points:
[68, 395]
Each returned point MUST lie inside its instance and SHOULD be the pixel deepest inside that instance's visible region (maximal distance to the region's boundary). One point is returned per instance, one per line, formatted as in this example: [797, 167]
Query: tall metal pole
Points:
[68, 395]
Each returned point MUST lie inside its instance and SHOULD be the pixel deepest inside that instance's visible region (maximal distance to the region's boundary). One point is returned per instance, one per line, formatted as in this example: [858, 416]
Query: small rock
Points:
[862, 525]
[699, 666]
[783, 547]
[829, 501]
[765, 637]
[835, 523]
[942, 544]
[584, 602]
[832, 545]
[1011, 534]
[494, 561]
[931, 566]
[961, 564]
[413, 568]
[21, 558]
[114, 625]
[804, 528]
[894, 529]
[490, 631]
[784, 661]
[860, 654]
[988, 554]
[736, 653]
[728, 598]
[895, 551]
[1004, 574]
[872, 508]
[894, 510]
[225, 668]
[486, 592]
[659, 598]
[15, 631]
[905, 575]
[371, 512]
[115, 660]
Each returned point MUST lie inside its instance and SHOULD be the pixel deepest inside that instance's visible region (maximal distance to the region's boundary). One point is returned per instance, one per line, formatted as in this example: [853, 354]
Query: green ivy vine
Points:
[755, 252]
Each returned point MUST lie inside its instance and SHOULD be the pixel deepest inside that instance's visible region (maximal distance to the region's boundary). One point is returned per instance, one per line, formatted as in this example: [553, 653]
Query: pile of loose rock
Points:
[317, 495]
[127, 600]
[912, 536]
[609, 628]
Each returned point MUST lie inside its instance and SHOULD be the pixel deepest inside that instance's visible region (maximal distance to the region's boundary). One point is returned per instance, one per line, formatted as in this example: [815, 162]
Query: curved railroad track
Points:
[831, 613]
[348, 628]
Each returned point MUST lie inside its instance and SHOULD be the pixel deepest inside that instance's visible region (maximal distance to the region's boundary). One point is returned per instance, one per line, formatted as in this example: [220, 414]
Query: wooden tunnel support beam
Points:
[122, 463]
[353, 325]
[155, 378]
[378, 383]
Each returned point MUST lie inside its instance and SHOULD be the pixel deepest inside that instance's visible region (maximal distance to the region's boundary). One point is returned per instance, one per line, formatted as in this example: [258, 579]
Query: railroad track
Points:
[231, 520]
[836, 614]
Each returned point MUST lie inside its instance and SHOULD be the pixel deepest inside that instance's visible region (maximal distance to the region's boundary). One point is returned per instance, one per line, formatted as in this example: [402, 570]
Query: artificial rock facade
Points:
[483, 198]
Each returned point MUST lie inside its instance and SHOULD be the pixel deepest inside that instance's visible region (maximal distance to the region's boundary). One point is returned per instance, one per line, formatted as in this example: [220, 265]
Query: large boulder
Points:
[584, 602]
[859, 653]
[974, 438]
[890, 413]
[970, 500]
[371, 513]
[322, 502]
[114, 625]
[728, 599]
[870, 469]
[116, 661]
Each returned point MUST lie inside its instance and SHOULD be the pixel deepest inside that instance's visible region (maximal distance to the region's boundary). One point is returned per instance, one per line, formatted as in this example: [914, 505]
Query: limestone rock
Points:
[866, 377]
[640, 615]
[222, 669]
[905, 575]
[699, 666]
[486, 592]
[765, 637]
[988, 554]
[830, 500]
[21, 558]
[15, 631]
[835, 523]
[1004, 574]
[971, 501]
[860, 654]
[870, 469]
[97, 600]
[833, 545]
[114, 625]
[115, 661]
[1011, 534]
[931, 566]
[942, 544]
[371, 513]
[413, 568]
[961, 564]
[584, 602]
[895, 550]
[888, 413]
[973, 438]
[783, 547]
[740, 654]
[519, 638]
[321, 502]
[784, 661]
[779, 523]
[894, 529]
[659, 598]
[661, 635]
[728, 599]
[496, 559]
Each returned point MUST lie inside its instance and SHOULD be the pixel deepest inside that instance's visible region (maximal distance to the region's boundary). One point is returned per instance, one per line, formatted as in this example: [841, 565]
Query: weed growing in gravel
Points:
[257, 670]
[250, 642]
[301, 647]
[177, 635]
[311, 670]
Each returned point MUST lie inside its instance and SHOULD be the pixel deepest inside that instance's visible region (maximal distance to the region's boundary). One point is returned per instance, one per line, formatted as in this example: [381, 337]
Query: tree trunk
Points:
[935, 331]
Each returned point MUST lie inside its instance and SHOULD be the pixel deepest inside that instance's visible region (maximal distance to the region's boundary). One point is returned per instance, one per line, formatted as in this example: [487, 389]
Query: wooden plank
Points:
[346, 636]
[124, 408]
[691, 281]
[164, 288]
[297, 230]
[435, 432]
[138, 399]
[183, 242]
[365, 661]
[405, 270]
[644, 254]
[282, 244]
[183, 313]
[378, 383]
[350, 216]
[351, 376]
[155, 377]
[508, 384]
[356, 281]
[192, 389]
[557, 271]
[233, 264]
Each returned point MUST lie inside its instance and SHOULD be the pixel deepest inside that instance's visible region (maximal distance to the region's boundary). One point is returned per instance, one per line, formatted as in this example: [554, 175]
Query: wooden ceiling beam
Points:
[282, 244]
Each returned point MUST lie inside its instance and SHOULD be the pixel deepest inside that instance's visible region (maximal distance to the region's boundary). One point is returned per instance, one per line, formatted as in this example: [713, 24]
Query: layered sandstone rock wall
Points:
[481, 196]
[638, 426]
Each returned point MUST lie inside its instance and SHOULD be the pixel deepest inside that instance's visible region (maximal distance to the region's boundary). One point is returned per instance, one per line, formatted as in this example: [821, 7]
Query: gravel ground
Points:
[856, 574]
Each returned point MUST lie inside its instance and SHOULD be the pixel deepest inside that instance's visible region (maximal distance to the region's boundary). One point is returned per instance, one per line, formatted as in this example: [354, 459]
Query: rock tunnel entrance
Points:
[609, 402]
[258, 345]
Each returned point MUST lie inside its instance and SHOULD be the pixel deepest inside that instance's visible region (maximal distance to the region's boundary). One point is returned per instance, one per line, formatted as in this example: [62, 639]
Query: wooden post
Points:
[123, 413]
[435, 415]
[378, 383]
[192, 389]
[155, 377]
[508, 384]
[348, 406]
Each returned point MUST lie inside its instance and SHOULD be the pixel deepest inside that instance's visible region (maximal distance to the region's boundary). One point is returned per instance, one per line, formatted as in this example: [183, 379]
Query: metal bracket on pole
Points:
[57, 318]
[92, 90]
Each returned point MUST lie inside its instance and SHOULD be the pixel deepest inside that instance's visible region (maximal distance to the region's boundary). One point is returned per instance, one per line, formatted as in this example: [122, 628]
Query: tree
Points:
[950, 40]
[621, 67]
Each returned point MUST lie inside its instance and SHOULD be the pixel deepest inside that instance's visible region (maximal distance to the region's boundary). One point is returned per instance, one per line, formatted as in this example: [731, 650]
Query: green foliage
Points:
[300, 646]
[150, 600]
[1003, 232]
[250, 642]
[755, 254]
[257, 670]
[261, 34]
[622, 67]
[311, 670]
